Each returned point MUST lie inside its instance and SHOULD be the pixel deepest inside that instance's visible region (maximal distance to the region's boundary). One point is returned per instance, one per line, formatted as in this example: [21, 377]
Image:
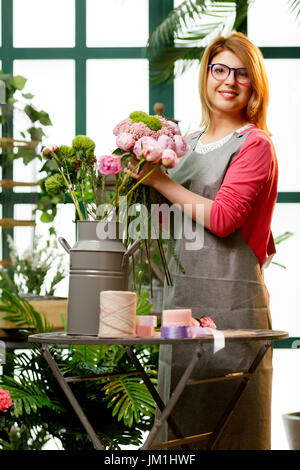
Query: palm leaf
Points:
[129, 398]
[188, 24]
[27, 397]
[295, 7]
[22, 313]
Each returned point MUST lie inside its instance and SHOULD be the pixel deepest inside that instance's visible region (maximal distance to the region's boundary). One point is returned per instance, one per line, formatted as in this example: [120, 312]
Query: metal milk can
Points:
[96, 264]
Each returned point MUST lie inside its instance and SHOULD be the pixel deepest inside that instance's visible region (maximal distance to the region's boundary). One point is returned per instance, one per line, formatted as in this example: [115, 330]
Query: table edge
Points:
[63, 338]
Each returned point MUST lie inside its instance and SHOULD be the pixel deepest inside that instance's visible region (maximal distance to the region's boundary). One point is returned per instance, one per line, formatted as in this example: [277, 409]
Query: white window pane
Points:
[47, 23]
[187, 106]
[117, 23]
[23, 236]
[115, 88]
[283, 284]
[26, 174]
[283, 119]
[271, 23]
[52, 82]
[285, 396]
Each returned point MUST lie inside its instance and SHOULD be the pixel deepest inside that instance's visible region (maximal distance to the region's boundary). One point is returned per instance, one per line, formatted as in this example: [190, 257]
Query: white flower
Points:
[27, 255]
[10, 242]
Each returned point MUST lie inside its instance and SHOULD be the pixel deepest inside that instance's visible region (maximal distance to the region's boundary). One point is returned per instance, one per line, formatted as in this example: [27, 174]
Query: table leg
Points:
[235, 399]
[174, 397]
[71, 398]
[153, 391]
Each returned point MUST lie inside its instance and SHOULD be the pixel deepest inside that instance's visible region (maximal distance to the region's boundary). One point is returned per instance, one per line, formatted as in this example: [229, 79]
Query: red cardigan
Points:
[247, 196]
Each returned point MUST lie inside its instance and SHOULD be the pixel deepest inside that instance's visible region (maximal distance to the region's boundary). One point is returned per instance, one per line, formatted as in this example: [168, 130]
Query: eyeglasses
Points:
[221, 72]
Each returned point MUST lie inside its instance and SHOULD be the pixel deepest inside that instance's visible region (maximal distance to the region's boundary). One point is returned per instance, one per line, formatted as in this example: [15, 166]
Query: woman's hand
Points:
[152, 180]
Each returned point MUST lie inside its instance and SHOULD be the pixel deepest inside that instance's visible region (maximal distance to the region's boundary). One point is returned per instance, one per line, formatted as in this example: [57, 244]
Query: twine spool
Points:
[117, 314]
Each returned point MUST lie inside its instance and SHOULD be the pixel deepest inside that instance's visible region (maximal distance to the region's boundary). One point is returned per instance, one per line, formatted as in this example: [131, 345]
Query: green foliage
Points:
[143, 305]
[23, 438]
[55, 184]
[129, 398]
[71, 174]
[22, 313]
[181, 38]
[295, 7]
[13, 85]
[41, 408]
[35, 268]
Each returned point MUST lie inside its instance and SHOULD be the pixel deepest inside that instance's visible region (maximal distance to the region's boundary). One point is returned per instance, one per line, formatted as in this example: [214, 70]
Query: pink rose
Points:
[5, 400]
[148, 148]
[181, 146]
[207, 322]
[125, 141]
[166, 142]
[47, 150]
[110, 164]
[169, 158]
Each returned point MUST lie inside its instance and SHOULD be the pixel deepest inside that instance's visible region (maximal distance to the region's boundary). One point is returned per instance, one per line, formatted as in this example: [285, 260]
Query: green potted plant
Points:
[35, 274]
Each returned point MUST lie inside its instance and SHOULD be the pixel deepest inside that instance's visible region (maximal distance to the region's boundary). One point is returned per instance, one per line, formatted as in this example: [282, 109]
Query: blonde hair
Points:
[252, 57]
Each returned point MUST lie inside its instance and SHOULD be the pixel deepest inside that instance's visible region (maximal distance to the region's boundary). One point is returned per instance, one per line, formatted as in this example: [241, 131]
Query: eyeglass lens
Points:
[221, 72]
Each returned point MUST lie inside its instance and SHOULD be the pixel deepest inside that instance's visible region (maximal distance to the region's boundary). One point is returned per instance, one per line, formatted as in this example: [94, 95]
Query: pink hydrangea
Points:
[110, 164]
[5, 400]
[169, 158]
[140, 129]
[207, 322]
[166, 142]
[181, 147]
[125, 141]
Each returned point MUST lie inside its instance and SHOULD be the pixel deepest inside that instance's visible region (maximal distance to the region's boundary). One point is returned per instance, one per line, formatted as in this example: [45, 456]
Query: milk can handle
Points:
[65, 244]
[131, 250]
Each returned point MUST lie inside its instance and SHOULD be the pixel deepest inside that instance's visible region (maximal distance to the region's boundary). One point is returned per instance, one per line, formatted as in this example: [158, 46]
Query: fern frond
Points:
[27, 397]
[189, 24]
[22, 313]
[164, 33]
[295, 7]
[129, 399]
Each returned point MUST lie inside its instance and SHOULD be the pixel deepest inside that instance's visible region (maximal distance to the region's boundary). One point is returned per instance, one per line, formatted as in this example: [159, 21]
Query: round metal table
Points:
[264, 337]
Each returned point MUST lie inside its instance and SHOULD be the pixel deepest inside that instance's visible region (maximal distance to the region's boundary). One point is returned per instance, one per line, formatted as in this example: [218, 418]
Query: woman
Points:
[231, 169]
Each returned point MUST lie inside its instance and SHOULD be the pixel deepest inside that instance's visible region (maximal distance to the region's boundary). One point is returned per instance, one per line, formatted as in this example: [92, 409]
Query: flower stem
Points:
[74, 199]
[142, 179]
[126, 179]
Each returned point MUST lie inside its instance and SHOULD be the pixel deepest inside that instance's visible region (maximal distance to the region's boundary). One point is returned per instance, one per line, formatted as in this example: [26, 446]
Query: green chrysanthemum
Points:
[55, 184]
[64, 151]
[84, 143]
[151, 121]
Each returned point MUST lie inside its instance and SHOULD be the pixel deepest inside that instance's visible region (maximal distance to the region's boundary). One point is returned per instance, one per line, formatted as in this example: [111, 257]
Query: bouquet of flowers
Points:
[73, 172]
[79, 173]
[150, 139]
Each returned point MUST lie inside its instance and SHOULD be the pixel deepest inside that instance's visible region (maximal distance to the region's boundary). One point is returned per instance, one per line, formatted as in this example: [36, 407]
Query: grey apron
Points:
[222, 280]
